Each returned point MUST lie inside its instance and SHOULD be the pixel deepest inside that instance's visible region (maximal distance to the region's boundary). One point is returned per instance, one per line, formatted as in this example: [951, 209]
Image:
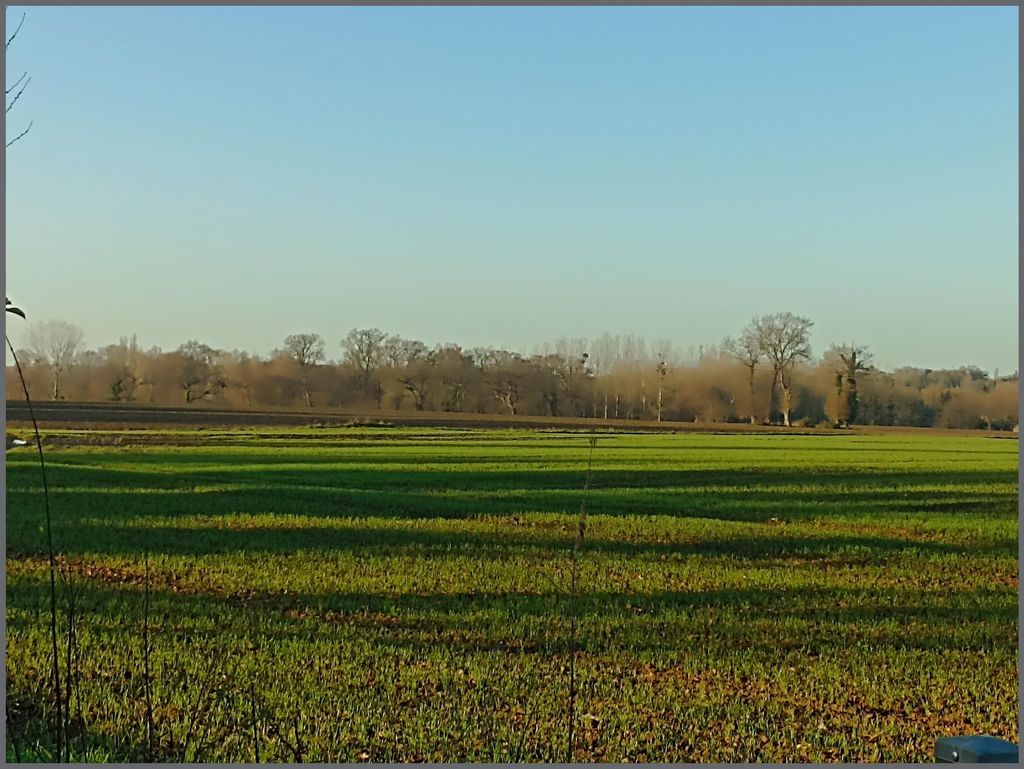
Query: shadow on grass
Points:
[512, 542]
[737, 495]
[756, 620]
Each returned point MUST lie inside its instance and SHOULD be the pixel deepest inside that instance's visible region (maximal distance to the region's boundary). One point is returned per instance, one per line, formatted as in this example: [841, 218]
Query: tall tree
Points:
[123, 370]
[850, 360]
[307, 350]
[457, 374]
[662, 371]
[397, 352]
[569, 366]
[747, 350]
[418, 376]
[364, 349]
[549, 380]
[785, 340]
[507, 374]
[196, 371]
[55, 343]
[604, 352]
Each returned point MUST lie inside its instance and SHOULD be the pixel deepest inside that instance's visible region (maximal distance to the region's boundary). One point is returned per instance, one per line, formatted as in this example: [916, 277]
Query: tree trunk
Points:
[750, 381]
[771, 395]
[56, 384]
[551, 401]
[305, 388]
[787, 400]
[851, 398]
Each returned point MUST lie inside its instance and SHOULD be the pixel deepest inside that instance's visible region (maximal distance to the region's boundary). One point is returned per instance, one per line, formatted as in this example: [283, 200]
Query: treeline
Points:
[766, 374]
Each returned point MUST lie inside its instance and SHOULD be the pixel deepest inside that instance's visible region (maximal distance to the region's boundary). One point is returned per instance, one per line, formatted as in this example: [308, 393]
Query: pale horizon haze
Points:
[507, 176]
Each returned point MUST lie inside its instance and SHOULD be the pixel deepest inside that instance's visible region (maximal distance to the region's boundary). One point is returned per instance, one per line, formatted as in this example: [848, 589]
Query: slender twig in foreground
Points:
[15, 33]
[16, 139]
[145, 661]
[17, 96]
[50, 554]
[68, 679]
[12, 86]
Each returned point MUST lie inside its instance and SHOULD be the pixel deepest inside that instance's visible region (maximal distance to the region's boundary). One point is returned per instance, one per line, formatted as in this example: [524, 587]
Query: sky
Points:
[507, 176]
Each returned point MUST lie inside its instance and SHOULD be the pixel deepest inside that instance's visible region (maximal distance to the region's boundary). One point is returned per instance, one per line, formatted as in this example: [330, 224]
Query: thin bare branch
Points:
[15, 34]
[49, 551]
[19, 135]
[146, 668]
[18, 95]
[15, 83]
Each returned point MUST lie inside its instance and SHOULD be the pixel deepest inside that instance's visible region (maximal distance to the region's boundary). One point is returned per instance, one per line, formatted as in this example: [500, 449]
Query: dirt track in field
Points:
[112, 416]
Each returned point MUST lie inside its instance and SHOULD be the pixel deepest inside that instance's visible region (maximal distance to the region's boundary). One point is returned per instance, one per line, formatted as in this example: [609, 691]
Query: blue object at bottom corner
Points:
[979, 749]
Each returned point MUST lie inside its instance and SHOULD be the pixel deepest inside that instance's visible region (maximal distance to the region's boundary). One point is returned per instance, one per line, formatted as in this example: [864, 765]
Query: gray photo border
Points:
[506, 3]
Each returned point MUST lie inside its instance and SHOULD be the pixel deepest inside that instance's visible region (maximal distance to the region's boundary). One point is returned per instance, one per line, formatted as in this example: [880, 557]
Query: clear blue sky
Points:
[506, 176]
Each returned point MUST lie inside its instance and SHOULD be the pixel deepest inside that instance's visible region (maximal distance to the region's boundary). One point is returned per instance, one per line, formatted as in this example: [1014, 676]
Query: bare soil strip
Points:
[111, 416]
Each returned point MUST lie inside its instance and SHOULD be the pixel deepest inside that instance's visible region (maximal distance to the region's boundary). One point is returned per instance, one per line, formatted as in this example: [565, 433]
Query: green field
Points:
[403, 594]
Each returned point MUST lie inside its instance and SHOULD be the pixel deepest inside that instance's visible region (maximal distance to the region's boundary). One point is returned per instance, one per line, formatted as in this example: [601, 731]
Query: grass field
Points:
[402, 594]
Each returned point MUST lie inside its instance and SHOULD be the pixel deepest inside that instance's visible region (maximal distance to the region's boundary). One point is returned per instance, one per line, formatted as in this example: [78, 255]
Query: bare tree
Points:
[391, 351]
[548, 382]
[662, 371]
[307, 350]
[122, 366]
[564, 372]
[197, 372]
[603, 356]
[242, 373]
[506, 390]
[844, 386]
[747, 350]
[397, 352]
[364, 349]
[507, 376]
[55, 343]
[457, 373]
[417, 378]
[785, 339]
[852, 359]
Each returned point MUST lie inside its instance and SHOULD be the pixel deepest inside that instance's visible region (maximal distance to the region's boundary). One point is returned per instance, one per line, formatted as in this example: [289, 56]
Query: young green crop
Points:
[400, 594]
